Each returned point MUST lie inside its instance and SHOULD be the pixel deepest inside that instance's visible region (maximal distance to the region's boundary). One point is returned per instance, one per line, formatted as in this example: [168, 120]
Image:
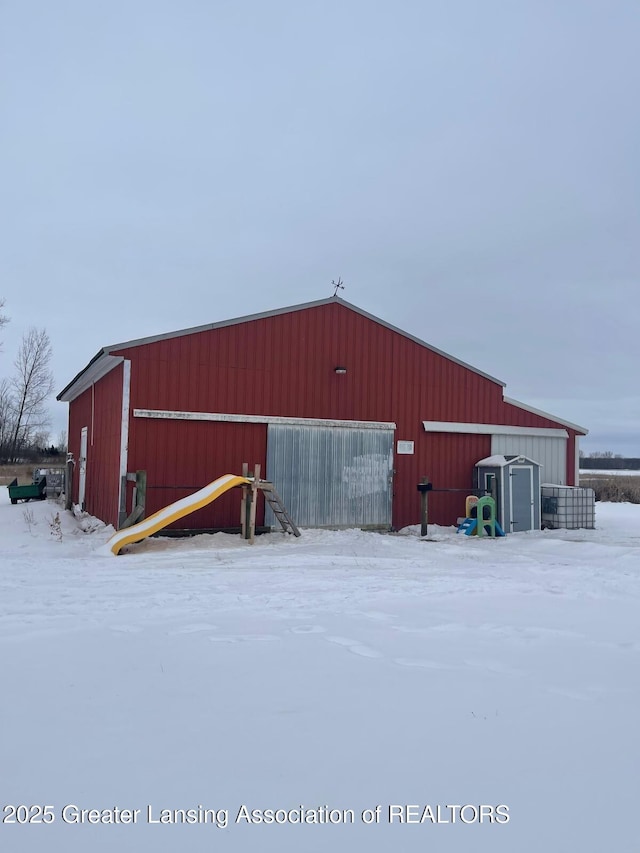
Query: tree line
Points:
[609, 463]
[24, 413]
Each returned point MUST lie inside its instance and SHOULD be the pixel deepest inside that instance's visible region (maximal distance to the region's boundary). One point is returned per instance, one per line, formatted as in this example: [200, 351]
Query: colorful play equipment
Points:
[469, 504]
[481, 518]
[250, 486]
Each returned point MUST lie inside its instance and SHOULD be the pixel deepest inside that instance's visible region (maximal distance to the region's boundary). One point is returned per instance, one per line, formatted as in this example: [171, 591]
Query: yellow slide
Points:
[173, 512]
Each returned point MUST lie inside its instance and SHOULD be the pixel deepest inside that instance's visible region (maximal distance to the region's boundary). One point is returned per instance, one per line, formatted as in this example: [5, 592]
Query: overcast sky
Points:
[471, 169]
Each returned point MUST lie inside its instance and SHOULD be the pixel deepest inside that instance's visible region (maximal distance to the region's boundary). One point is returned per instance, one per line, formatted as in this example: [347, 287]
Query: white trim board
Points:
[166, 414]
[124, 425]
[492, 429]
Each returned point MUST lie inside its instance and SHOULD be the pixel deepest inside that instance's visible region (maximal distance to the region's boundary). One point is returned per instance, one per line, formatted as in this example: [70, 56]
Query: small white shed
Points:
[514, 481]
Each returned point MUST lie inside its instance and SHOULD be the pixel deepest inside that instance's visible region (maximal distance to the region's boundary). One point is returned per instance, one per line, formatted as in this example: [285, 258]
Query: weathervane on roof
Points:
[337, 285]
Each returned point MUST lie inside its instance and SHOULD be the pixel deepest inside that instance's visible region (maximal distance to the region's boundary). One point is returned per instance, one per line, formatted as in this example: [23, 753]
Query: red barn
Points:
[344, 412]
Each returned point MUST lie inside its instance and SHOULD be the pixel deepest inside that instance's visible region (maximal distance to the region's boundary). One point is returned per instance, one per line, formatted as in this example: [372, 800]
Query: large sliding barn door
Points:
[332, 476]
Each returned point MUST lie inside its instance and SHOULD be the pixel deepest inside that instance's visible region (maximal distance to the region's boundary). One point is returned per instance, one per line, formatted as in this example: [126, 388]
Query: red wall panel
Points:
[448, 460]
[181, 457]
[99, 408]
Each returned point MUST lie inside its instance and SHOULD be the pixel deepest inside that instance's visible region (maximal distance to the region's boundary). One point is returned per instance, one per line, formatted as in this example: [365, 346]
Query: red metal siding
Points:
[571, 458]
[284, 365]
[448, 460]
[80, 411]
[181, 457]
[515, 416]
[99, 408]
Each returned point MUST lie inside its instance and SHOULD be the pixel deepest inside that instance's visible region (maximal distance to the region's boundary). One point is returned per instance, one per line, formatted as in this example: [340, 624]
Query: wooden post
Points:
[122, 511]
[141, 492]
[424, 488]
[139, 499]
[254, 503]
[68, 483]
[243, 503]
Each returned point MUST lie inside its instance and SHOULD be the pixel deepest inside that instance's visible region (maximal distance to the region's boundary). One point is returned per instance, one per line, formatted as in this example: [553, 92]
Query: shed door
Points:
[521, 479]
[332, 476]
[82, 467]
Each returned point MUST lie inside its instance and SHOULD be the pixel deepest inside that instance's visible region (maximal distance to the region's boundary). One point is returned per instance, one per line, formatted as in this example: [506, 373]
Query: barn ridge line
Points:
[106, 351]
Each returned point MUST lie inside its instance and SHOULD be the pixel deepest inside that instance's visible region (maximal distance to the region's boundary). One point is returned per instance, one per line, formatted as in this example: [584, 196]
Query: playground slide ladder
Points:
[278, 508]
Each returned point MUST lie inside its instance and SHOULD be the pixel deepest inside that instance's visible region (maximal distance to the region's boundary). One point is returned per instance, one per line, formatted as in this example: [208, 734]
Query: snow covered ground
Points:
[344, 669]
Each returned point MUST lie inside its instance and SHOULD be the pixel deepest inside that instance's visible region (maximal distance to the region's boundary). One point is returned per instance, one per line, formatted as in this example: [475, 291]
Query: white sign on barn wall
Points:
[405, 447]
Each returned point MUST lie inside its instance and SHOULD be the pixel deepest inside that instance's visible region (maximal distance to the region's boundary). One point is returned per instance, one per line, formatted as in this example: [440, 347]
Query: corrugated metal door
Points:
[550, 452]
[332, 476]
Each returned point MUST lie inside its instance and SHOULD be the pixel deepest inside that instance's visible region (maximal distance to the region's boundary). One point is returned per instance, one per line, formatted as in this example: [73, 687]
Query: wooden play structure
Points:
[136, 527]
[250, 490]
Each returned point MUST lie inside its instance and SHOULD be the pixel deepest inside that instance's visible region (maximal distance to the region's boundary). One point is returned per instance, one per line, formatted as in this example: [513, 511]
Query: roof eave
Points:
[101, 364]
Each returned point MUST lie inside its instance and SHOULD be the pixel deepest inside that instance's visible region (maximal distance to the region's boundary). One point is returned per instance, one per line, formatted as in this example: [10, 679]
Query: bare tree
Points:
[5, 398]
[3, 319]
[61, 444]
[30, 387]
[6, 419]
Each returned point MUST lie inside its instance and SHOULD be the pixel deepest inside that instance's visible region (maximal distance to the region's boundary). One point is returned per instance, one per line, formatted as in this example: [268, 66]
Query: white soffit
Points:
[492, 429]
[91, 375]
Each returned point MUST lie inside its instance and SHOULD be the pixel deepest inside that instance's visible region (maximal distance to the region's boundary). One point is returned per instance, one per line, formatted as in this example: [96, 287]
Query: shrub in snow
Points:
[55, 526]
[615, 489]
[29, 519]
